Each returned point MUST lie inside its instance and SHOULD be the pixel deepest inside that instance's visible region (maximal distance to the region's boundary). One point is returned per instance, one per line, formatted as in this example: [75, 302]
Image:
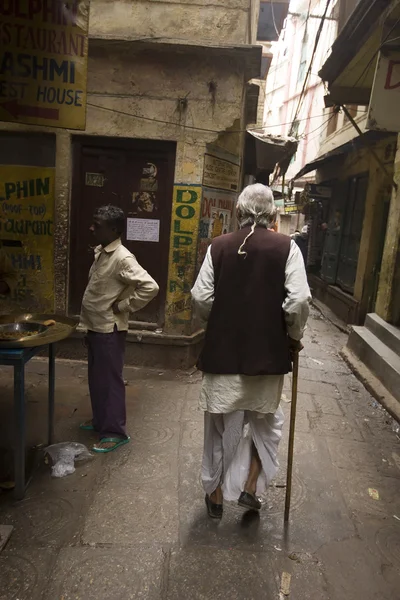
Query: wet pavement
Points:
[132, 524]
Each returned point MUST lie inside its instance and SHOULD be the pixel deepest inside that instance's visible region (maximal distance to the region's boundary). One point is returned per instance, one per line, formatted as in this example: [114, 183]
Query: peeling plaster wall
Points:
[151, 86]
[169, 92]
[197, 21]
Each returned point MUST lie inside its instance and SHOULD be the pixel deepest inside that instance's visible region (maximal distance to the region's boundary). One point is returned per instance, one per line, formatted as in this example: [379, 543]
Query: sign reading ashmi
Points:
[43, 62]
[383, 113]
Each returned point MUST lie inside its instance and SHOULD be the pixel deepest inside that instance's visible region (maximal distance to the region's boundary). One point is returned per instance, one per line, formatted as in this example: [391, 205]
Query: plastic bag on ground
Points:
[64, 455]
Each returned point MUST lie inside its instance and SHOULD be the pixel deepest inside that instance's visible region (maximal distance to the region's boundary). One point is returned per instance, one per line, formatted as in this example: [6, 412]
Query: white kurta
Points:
[261, 393]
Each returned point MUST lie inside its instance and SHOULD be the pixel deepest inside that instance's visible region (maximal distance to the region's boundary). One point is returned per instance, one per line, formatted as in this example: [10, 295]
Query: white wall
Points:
[284, 83]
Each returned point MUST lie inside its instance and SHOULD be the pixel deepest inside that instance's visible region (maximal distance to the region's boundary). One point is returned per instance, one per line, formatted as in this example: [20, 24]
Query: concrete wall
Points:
[291, 58]
[170, 94]
[211, 22]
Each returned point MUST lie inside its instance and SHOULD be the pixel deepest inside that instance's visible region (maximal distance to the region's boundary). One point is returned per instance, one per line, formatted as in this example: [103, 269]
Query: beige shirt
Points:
[115, 276]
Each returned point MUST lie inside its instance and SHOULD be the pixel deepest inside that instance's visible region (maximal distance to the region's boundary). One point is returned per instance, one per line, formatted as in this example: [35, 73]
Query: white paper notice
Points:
[143, 230]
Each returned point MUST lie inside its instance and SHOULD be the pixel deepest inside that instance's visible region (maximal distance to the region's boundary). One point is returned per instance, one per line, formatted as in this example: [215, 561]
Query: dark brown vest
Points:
[246, 332]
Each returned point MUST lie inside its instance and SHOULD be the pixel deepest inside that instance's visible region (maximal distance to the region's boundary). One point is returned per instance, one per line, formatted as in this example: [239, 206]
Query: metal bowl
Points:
[19, 332]
[52, 334]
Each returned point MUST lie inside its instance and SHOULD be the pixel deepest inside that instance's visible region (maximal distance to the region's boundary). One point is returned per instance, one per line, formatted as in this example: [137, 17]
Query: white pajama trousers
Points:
[227, 449]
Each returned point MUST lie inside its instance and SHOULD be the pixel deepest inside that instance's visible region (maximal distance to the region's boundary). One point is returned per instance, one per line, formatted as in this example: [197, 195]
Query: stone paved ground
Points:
[132, 525]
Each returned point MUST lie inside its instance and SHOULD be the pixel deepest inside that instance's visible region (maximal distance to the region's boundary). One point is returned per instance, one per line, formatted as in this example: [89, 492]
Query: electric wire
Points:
[136, 116]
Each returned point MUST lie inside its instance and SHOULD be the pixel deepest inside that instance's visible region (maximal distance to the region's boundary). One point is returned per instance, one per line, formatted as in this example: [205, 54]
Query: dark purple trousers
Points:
[106, 353]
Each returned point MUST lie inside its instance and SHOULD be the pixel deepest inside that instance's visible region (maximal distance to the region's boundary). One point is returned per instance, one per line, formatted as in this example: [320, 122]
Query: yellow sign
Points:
[220, 174]
[182, 257]
[43, 62]
[293, 208]
[26, 235]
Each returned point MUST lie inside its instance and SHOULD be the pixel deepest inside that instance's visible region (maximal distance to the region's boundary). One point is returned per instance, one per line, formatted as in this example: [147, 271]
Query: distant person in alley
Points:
[252, 297]
[117, 286]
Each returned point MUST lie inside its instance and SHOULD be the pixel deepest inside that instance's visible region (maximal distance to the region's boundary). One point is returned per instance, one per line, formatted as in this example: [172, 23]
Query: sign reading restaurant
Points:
[43, 62]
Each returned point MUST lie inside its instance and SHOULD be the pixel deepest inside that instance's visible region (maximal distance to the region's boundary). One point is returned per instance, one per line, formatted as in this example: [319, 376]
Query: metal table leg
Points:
[51, 393]
[19, 429]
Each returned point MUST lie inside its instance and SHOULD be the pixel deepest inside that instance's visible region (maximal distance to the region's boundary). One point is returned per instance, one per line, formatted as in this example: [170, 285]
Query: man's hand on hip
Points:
[115, 309]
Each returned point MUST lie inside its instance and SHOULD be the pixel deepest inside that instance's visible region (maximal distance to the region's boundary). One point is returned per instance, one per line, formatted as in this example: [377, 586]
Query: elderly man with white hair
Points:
[252, 297]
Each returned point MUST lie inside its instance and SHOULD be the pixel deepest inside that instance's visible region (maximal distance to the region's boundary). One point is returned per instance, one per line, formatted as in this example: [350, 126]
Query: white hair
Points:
[256, 205]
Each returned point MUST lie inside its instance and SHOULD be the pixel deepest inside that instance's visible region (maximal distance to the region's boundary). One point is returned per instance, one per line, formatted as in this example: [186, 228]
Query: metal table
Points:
[17, 358]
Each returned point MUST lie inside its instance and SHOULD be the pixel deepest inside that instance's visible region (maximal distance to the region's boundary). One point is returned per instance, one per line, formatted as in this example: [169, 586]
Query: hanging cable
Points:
[152, 119]
[305, 136]
[273, 18]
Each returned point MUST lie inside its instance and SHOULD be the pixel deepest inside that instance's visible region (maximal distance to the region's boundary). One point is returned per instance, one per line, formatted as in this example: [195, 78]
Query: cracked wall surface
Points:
[194, 98]
[202, 21]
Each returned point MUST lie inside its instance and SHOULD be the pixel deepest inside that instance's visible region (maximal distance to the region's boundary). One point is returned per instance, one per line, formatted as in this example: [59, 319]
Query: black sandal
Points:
[250, 501]
[214, 510]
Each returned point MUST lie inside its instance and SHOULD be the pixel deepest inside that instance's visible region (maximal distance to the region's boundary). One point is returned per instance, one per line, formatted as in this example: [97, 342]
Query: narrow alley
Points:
[133, 524]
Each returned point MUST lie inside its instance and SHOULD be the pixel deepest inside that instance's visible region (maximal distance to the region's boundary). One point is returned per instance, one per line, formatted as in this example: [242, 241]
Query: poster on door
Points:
[27, 236]
[217, 218]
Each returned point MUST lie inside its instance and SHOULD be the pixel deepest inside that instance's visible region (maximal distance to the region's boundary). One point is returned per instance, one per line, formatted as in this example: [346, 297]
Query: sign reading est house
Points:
[43, 62]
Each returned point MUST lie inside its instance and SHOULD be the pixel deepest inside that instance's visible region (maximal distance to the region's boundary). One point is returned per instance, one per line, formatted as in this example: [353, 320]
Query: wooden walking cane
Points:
[291, 434]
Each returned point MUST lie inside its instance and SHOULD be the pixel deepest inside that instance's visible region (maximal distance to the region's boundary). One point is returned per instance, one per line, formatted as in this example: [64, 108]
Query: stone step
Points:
[378, 357]
[386, 333]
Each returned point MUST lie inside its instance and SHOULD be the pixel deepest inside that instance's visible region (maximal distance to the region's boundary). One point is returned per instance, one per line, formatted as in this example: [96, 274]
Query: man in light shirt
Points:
[117, 286]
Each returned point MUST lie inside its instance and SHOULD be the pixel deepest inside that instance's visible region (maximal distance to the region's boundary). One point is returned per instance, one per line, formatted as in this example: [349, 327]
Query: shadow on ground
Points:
[132, 524]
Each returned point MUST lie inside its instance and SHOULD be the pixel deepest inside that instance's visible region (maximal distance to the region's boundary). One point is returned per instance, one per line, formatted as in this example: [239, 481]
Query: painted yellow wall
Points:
[384, 306]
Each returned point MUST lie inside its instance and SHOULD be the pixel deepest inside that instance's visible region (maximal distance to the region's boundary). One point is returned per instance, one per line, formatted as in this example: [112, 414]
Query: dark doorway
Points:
[137, 176]
[342, 242]
[351, 234]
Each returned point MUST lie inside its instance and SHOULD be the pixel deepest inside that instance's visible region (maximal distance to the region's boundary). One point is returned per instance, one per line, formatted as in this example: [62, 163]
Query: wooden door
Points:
[137, 176]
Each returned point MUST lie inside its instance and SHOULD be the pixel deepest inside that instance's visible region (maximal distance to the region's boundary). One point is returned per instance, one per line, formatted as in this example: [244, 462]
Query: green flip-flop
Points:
[116, 441]
[86, 427]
